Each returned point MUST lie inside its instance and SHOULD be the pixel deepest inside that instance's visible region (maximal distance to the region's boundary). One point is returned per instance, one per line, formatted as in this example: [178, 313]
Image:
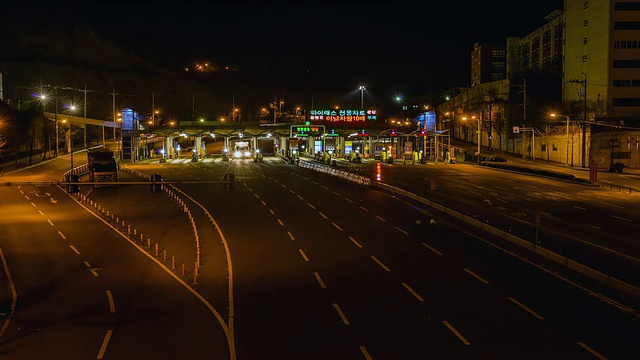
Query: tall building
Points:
[488, 63]
[602, 57]
[542, 48]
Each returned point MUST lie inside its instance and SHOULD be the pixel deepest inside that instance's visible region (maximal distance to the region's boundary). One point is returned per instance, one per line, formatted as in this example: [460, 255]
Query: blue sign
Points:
[128, 116]
[428, 121]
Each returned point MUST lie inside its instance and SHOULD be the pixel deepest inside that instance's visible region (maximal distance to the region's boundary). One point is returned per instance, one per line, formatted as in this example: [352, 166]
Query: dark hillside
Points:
[80, 58]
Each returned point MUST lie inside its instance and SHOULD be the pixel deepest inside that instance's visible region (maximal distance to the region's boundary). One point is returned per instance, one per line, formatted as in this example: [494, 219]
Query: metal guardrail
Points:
[354, 178]
[602, 278]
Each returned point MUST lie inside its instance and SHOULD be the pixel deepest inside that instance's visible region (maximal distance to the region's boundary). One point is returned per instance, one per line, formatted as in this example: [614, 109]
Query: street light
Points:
[464, 118]
[362, 89]
[567, 144]
[43, 98]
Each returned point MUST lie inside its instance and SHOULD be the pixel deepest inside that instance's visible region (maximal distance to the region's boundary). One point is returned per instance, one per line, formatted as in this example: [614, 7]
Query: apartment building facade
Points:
[593, 47]
[602, 51]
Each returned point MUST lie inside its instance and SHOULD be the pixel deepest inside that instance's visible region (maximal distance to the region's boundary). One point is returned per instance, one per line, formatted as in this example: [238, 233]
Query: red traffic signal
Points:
[393, 133]
[423, 132]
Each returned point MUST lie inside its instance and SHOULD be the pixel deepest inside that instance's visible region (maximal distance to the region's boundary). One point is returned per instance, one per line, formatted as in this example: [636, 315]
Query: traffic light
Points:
[423, 132]
[393, 132]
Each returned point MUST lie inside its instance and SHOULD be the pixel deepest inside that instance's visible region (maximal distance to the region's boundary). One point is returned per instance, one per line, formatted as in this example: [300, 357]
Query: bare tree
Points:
[544, 132]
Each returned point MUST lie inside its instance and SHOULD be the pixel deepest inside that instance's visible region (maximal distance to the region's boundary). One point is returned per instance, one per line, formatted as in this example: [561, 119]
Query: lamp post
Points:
[72, 109]
[43, 98]
[362, 89]
[464, 118]
[567, 141]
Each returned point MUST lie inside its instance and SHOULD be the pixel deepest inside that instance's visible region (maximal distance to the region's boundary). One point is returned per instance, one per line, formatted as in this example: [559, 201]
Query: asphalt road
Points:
[76, 288]
[588, 224]
[299, 264]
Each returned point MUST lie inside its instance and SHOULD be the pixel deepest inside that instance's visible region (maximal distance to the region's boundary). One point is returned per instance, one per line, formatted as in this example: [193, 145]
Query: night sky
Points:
[329, 47]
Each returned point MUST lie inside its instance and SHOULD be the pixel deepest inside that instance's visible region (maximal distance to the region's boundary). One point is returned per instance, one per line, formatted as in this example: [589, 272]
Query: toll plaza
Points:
[325, 135]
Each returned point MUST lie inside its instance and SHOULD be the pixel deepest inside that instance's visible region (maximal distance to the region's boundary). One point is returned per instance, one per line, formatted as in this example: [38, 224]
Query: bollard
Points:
[135, 232]
[128, 229]
[148, 244]
[107, 213]
[141, 239]
[164, 255]
[122, 223]
[173, 262]
[182, 269]
[195, 274]
[156, 250]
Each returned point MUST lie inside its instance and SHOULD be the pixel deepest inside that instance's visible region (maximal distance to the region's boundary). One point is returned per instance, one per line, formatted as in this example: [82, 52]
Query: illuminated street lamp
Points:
[567, 141]
[43, 98]
[362, 89]
[464, 118]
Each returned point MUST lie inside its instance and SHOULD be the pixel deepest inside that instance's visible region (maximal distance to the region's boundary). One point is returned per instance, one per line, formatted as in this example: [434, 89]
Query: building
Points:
[488, 63]
[602, 58]
[542, 48]
[592, 51]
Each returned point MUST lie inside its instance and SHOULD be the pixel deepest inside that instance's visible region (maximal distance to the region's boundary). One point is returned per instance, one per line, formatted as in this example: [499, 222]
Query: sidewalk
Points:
[628, 180]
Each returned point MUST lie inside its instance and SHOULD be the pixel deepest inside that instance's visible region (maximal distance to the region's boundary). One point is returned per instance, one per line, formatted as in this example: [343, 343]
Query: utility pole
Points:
[153, 107]
[84, 105]
[55, 118]
[583, 81]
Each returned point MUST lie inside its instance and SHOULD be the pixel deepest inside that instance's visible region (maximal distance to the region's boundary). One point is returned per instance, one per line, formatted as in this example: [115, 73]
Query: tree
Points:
[545, 131]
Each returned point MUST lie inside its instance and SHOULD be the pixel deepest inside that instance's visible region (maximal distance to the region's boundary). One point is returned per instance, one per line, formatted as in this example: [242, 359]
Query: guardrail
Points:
[354, 178]
[602, 278]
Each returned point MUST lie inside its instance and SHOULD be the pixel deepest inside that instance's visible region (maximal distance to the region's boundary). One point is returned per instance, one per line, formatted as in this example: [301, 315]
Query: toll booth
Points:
[129, 135]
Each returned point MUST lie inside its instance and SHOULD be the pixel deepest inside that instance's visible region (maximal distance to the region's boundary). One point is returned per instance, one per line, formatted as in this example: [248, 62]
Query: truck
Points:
[241, 150]
[102, 166]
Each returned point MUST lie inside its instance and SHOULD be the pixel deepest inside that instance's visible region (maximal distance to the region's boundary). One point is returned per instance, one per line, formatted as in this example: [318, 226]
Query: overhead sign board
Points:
[343, 115]
[306, 130]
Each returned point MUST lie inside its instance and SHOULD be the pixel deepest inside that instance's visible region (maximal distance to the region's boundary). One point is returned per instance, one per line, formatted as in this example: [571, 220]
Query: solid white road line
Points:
[105, 343]
[112, 304]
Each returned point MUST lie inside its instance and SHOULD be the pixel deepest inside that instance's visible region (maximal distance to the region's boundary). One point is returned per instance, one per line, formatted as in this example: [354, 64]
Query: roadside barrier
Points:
[354, 178]
[132, 233]
[602, 278]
